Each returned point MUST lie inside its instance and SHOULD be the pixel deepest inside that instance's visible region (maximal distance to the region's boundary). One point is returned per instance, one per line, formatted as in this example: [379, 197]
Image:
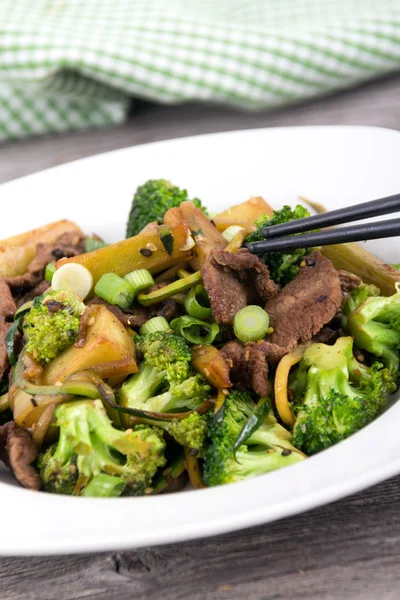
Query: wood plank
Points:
[349, 549]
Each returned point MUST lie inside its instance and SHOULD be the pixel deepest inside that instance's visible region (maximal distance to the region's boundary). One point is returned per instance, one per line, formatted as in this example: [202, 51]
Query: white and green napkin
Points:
[73, 64]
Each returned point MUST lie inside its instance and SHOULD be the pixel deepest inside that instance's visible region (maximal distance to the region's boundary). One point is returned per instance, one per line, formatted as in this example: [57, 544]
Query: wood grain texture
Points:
[347, 550]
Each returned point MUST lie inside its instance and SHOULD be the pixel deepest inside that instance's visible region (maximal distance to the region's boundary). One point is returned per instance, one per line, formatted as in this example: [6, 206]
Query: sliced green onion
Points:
[73, 277]
[231, 231]
[140, 280]
[182, 285]
[115, 290]
[92, 244]
[193, 306]
[155, 324]
[194, 330]
[104, 486]
[49, 271]
[251, 323]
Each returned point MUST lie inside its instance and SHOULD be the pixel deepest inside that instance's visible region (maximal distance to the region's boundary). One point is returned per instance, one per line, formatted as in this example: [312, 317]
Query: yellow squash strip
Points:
[237, 241]
[354, 258]
[221, 397]
[41, 427]
[319, 208]
[281, 384]
[210, 362]
[143, 251]
[206, 235]
[192, 467]
[243, 214]
[18, 251]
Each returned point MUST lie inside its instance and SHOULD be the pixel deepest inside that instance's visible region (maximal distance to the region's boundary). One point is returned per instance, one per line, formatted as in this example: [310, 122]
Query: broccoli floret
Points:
[168, 352]
[166, 369]
[283, 266]
[152, 200]
[375, 326]
[190, 432]
[356, 297]
[52, 324]
[267, 449]
[90, 445]
[338, 396]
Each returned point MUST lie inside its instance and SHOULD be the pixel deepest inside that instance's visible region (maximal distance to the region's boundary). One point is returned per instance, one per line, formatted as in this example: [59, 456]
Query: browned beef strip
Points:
[327, 335]
[18, 451]
[66, 245]
[3, 352]
[7, 304]
[167, 309]
[248, 266]
[258, 367]
[38, 290]
[227, 295]
[248, 366]
[129, 318]
[305, 304]
[348, 283]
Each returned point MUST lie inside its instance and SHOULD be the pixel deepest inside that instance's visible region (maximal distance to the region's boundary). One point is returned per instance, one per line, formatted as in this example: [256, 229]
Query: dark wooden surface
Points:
[346, 550]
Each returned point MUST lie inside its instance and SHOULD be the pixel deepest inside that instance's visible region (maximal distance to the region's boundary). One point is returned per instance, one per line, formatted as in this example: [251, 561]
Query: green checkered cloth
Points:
[73, 64]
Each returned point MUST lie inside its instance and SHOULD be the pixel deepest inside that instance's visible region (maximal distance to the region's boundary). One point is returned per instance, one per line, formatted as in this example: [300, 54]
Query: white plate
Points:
[333, 165]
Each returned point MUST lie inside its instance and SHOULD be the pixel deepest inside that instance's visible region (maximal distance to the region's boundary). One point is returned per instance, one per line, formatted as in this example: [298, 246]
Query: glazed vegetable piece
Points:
[335, 395]
[18, 251]
[52, 324]
[165, 381]
[243, 214]
[172, 478]
[211, 363]
[356, 259]
[283, 267]
[206, 235]
[89, 446]
[266, 449]
[375, 326]
[152, 200]
[153, 250]
[107, 340]
[173, 216]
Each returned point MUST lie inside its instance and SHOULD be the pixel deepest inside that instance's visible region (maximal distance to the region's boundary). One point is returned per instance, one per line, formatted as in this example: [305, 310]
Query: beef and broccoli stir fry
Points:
[176, 354]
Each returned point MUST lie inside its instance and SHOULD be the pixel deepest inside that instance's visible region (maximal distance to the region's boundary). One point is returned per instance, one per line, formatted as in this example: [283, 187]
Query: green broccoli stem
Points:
[104, 486]
[252, 463]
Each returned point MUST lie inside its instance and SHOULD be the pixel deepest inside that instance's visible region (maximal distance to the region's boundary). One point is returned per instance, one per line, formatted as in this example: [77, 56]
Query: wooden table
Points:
[347, 550]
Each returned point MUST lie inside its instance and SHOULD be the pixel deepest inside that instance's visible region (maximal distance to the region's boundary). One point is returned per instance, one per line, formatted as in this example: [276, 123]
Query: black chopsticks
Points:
[356, 212]
[354, 233]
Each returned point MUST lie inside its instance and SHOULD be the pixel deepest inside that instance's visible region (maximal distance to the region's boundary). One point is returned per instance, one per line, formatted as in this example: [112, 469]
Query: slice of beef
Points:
[348, 283]
[167, 309]
[66, 245]
[305, 304]
[226, 293]
[248, 366]
[249, 267]
[7, 304]
[327, 335]
[129, 318]
[18, 451]
[258, 368]
[38, 290]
